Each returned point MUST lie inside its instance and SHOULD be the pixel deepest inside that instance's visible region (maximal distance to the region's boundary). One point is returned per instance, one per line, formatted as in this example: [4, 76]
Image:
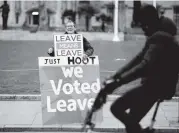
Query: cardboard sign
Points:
[68, 45]
[68, 89]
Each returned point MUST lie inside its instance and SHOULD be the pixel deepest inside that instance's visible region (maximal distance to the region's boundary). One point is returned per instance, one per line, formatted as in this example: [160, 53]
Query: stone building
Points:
[27, 12]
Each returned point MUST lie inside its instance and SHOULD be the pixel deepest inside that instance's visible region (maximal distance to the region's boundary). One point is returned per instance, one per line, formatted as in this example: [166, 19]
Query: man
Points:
[5, 13]
[70, 29]
[158, 66]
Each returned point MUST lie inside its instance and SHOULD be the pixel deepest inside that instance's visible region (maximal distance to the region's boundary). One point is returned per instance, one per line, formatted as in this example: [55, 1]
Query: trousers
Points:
[138, 101]
[5, 19]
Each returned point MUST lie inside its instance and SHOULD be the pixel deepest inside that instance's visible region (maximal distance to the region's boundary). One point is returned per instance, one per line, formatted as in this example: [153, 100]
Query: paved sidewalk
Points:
[26, 116]
[48, 35]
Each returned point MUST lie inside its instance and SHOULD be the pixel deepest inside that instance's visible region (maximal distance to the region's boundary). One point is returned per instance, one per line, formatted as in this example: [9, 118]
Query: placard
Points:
[68, 89]
[68, 45]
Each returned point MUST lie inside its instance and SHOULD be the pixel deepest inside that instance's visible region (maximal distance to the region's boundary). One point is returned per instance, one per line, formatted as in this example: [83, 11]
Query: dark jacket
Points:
[5, 10]
[86, 45]
[157, 64]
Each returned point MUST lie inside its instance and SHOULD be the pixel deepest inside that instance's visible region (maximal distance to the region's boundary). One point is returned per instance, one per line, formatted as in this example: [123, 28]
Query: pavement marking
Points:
[119, 59]
[107, 71]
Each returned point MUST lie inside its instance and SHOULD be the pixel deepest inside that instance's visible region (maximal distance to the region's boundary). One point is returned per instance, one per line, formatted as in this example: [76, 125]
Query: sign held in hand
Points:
[68, 45]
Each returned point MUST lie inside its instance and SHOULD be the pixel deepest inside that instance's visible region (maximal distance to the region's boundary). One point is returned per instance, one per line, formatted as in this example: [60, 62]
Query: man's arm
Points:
[148, 60]
[87, 47]
[8, 9]
[137, 71]
[131, 64]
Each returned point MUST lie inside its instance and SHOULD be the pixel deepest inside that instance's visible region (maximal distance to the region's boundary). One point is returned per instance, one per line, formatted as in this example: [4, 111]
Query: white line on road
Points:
[119, 59]
[107, 71]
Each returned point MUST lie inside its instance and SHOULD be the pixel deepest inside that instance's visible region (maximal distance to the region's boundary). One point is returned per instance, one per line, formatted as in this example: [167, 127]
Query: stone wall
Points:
[125, 15]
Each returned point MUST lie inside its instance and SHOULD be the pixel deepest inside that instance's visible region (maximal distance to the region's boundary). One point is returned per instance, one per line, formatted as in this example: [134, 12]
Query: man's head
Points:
[70, 27]
[149, 19]
[5, 2]
[167, 25]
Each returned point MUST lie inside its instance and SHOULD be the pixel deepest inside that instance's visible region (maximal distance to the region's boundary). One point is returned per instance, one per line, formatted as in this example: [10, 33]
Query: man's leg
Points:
[138, 111]
[139, 102]
[6, 22]
[3, 22]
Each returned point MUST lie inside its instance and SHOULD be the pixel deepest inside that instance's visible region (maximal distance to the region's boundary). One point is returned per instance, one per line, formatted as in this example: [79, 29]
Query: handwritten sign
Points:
[68, 89]
[68, 45]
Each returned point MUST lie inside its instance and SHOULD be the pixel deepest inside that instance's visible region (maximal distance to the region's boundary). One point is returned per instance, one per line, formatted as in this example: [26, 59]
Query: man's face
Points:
[70, 28]
[145, 28]
[148, 24]
[148, 29]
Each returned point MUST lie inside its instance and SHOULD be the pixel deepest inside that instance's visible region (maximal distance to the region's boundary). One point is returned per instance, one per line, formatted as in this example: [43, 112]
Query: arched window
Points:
[33, 17]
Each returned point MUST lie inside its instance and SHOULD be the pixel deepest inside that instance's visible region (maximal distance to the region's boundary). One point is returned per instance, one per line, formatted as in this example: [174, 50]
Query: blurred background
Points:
[88, 15]
[30, 28]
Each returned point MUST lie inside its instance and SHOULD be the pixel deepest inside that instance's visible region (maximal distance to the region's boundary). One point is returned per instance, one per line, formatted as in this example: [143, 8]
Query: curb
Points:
[15, 35]
[113, 97]
[4, 97]
[77, 129]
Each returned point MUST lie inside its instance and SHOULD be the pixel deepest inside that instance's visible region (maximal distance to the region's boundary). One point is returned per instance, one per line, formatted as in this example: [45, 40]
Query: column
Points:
[74, 6]
[22, 17]
[154, 3]
[11, 18]
[58, 15]
[76, 10]
[116, 38]
[122, 16]
[69, 5]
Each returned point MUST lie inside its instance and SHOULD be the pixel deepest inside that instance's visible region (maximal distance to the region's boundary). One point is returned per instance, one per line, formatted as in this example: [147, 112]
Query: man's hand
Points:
[110, 84]
[106, 88]
[50, 50]
[100, 100]
[85, 57]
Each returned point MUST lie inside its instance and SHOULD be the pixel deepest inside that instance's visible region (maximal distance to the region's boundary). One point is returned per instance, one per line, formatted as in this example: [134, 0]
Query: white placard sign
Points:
[68, 45]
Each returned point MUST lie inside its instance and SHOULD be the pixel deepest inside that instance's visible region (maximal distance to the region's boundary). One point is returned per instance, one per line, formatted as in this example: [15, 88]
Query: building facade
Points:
[27, 12]
[170, 8]
[21, 11]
